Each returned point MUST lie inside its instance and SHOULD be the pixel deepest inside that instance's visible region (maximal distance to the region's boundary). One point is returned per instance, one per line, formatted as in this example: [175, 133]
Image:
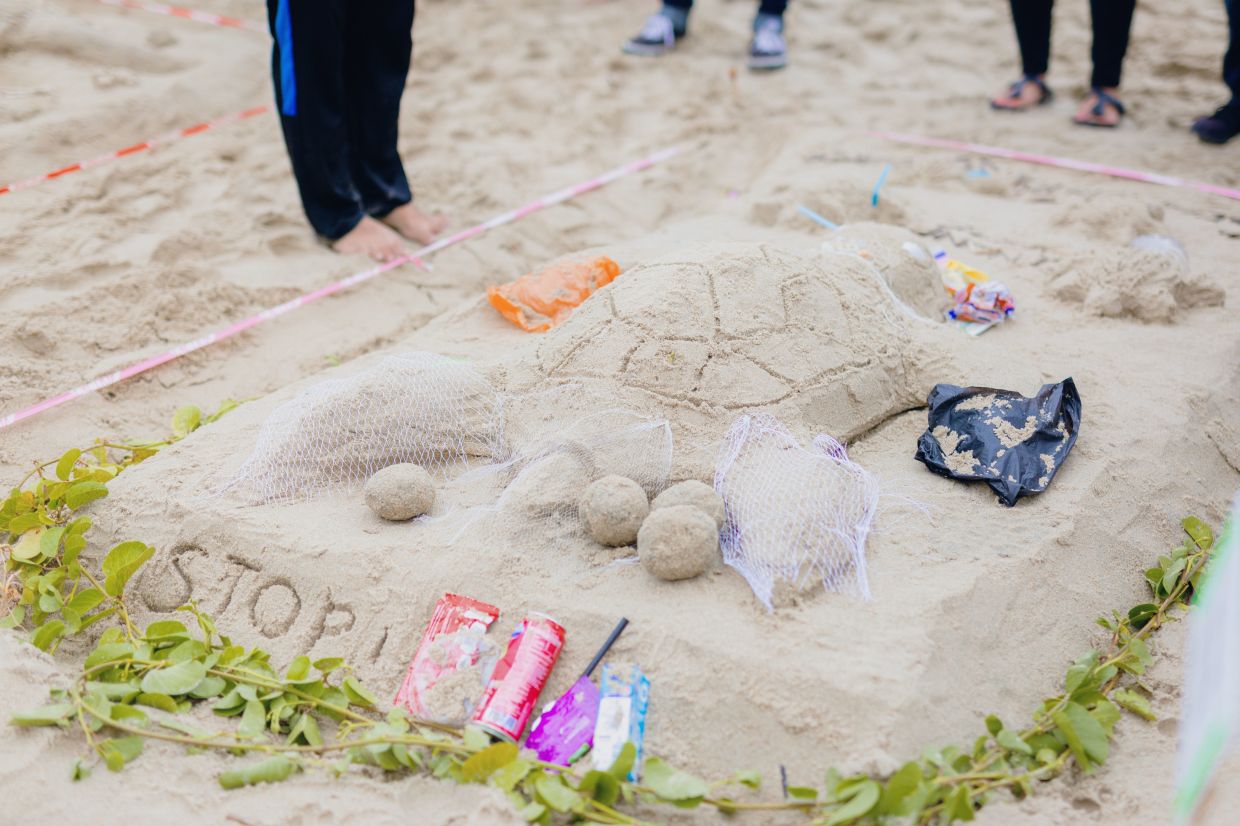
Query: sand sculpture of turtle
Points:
[727, 327]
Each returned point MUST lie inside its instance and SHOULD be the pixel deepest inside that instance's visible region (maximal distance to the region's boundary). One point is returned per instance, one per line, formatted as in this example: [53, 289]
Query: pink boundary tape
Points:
[1062, 163]
[331, 289]
[137, 148]
[191, 14]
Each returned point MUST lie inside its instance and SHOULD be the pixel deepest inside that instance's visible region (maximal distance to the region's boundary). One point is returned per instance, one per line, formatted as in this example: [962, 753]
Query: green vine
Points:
[137, 685]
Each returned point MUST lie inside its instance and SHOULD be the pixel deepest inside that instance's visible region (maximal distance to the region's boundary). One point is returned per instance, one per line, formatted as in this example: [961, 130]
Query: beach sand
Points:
[977, 608]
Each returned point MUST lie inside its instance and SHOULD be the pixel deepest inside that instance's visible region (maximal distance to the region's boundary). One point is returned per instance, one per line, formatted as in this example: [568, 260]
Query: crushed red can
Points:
[453, 641]
[519, 677]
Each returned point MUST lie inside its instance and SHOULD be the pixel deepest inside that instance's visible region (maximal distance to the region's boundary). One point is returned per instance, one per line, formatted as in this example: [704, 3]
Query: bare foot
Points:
[371, 238]
[415, 224]
[1101, 108]
[1021, 95]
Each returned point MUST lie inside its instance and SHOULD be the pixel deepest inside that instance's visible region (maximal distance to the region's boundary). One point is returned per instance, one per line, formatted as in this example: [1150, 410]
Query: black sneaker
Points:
[657, 37]
[768, 50]
[1220, 127]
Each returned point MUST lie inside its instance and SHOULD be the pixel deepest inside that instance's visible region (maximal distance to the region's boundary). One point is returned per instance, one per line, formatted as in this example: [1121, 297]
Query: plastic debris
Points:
[536, 302]
[1013, 443]
[621, 717]
[977, 302]
[451, 647]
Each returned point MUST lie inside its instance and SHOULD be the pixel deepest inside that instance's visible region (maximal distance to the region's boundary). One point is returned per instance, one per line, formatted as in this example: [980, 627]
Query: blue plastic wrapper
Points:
[1015, 444]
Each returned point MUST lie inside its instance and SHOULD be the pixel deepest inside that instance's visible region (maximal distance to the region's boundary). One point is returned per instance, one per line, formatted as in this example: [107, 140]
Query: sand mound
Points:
[728, 327]
[1146, 286]
[906, 265]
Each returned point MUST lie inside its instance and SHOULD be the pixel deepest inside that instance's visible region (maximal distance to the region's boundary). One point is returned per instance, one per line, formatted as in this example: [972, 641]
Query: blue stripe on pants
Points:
[288, 76]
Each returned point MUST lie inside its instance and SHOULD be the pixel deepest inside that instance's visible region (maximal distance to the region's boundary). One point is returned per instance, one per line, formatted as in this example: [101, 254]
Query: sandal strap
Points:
[1104, 100]
[1017, 88]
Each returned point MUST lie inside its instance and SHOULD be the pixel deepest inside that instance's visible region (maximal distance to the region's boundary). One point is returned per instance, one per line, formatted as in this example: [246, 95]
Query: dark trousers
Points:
[339, 68]
[1231, 62]
[764, 7]
[1112, 23]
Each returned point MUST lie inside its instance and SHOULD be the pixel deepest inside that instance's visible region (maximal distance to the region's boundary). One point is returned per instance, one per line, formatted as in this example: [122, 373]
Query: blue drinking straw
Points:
[882, 179]
[814, 216]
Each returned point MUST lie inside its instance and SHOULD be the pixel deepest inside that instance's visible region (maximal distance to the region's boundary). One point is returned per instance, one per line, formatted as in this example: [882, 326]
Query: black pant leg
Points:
[1032, 19]
[379, 42]
[775, 7]
[1231, 62]
[307, 64]
[1112, 25]
[679, 4]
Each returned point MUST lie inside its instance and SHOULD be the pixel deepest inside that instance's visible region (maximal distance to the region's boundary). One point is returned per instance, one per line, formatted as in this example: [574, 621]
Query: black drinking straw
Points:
[602, 652]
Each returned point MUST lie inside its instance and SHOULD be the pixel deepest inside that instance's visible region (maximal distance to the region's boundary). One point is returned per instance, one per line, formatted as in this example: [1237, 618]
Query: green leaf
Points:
[509, 775]
[80, 772]
[861, 798]
[211, 686]
[993, 724]
[166, 630]
[1134, 702]
[898, 789]
[358, 695]
[186, 421]
[57, 714]
[483, 764]
[28, 546]
[85, 601]
[601, 786]
[119, 751]
[306, 730]
[674, 785]
[85, 491]
[108, 652]
[253, 720]
[1172, 574]
[1140, 615]
[160, 701]
[1011, 741]
[64, 468]
[1107, 715]
[49, 542]
[47, 634]
[803, 792]
[328, 664]
[174, 680]
[121, 563]
[1085, 735]
[271, 770]
[958, 805]
[559, 797]
[14, 618]
[1199, 532]
[622, 767]
[749, 778]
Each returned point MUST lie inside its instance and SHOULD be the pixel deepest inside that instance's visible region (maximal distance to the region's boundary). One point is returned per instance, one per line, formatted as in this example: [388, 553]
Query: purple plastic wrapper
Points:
[567, 727]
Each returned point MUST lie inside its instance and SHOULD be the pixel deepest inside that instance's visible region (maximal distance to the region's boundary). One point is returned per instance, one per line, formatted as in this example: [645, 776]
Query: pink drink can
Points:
[512, 692]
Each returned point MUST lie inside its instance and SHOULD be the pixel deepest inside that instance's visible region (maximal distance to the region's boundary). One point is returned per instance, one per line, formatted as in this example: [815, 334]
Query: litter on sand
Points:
[452, 645]
[536, 302]
[1013, 443]
[621, 717]
[565, 731]
[977, 302]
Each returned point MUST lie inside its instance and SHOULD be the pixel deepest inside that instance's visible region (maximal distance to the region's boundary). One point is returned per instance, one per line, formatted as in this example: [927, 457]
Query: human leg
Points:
[1032, 21]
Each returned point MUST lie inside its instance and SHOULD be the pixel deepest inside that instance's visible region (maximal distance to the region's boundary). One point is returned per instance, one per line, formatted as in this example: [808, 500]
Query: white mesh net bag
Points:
[795, 516]
[553, 461]
[421, 408]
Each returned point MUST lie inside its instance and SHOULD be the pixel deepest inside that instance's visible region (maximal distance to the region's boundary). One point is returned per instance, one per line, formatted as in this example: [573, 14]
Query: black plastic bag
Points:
[1012, 443]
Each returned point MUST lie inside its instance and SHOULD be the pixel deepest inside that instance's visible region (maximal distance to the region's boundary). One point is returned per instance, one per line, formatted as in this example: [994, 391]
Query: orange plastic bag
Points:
[536, 302]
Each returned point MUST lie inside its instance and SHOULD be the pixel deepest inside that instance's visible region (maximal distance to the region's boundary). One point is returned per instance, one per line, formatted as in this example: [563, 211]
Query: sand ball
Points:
[695, 494]
[612, 510]
[400, 492]
[678, 542]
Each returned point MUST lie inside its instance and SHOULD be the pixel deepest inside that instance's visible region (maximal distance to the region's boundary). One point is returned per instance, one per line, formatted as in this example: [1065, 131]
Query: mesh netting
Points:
[419, 407]
[553, 462]
[794, 516]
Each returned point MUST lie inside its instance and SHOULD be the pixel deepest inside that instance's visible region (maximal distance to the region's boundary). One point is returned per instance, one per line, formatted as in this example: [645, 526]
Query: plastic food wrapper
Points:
[977, 302]
[536, 302]
[621, 717]
[1013, 443]
[565, 731]
[445, 678]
